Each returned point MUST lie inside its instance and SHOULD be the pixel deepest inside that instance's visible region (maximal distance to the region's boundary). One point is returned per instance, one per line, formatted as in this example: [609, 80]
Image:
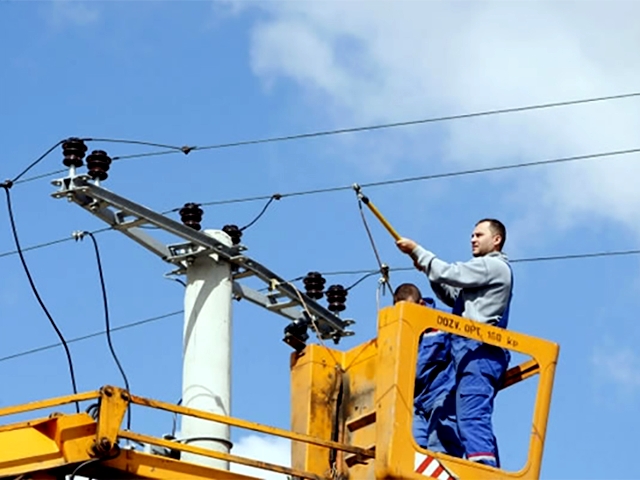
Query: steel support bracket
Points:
[128, 217]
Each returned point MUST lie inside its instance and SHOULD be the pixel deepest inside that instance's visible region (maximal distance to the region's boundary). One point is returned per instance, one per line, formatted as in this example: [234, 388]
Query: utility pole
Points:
[206, 369]
[213, 262]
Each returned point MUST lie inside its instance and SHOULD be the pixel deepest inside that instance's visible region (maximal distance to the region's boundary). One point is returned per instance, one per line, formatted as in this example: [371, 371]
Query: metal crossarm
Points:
[127, 216]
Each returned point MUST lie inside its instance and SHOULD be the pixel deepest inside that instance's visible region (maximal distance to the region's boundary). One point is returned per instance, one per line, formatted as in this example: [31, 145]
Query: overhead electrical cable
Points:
[90, 335]
[434, 176]
[35, 162]
[34, 289]
[383, 268]
[275, 196]
[575, 158]
[49, 244]
[171, 149]
[103, 288]
[367, 273]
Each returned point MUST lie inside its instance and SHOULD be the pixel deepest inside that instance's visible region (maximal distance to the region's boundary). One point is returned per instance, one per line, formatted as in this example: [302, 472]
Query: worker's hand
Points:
[406, 245]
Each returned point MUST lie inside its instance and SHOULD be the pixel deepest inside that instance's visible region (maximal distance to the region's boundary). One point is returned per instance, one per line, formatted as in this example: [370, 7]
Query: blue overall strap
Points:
[458, 306]
[504, 319]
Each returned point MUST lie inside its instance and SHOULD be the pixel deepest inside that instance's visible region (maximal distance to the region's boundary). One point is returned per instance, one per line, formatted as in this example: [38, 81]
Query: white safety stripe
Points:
[431, 467]
[445, 476]
[433, 464]
[477, 458]
[432, 334]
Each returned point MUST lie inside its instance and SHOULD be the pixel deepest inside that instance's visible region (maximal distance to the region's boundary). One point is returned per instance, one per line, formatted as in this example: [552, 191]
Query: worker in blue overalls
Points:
[479, 289]
[435, 378]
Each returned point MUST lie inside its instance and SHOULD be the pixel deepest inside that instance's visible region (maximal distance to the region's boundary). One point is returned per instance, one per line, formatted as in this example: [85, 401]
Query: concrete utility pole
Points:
[206, 374]
[212, 261]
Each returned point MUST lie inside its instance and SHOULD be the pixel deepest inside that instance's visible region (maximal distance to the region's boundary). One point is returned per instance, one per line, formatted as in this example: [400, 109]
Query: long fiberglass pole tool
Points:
[362, 197]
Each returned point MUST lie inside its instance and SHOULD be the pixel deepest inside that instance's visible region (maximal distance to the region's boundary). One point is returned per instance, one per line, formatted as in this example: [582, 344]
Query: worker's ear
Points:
[422, 302]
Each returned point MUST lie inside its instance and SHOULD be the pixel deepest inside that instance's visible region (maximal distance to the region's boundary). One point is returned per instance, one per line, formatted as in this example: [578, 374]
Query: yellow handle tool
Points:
[376, 212]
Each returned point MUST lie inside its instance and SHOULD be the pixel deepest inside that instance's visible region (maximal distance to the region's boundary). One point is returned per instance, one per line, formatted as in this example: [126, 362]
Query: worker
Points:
[479, 289]
[434, 380]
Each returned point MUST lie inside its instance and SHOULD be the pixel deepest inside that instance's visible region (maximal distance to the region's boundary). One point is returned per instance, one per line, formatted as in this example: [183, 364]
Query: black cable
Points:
[181, 282]
[140, 142]
[381, 183]
[113, 456]
[14, 230]
[36, 161]
[170, 149]
[35, 247]
[361, 279]
[417, 122]
[434, 176]
[49, 244]
[42, 175]
[242, 200]
[275, 196]
[174, 424]
[107, 322]
[384, 269]
[366, 272]
[91, 335]
[82, 465]
[143, 155]
[120, 157]
[576, 256]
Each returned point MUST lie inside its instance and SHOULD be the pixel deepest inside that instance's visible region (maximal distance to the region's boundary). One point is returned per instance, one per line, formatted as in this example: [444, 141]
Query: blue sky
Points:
[201, 73]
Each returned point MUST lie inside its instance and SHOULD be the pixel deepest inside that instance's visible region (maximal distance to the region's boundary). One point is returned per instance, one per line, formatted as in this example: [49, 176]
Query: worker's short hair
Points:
[407, 292]
[497, 227]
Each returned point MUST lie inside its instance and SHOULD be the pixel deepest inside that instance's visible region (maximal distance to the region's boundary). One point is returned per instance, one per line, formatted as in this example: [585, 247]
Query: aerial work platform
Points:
[351, 415]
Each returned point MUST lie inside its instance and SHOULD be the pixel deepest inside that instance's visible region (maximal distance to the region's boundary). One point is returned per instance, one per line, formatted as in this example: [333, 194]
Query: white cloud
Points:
[365, 62]
[266, 449]
[618, 367]
[227, 7]
[72, 12]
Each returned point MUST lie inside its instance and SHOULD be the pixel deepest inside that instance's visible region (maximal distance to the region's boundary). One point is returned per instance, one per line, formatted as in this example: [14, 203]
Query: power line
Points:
[264, 209]
[435, 176]
[91, 335]
[549, 258]
[171, 149]
[382, 126]
[48, 244]
[103, 289]
[168, 149]
[14, 231]
[576, 256]
[43, 175]
[458, 173]
[362, 279]
[184, 149]
[384, 269]
[35, 162]
[366, 272]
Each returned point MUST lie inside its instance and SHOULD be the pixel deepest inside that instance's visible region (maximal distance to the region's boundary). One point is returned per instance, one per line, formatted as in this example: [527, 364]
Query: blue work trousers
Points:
[434, 422]
[480, 370]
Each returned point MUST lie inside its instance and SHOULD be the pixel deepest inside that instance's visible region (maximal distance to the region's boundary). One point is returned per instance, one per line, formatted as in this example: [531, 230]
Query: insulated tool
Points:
[375, 211]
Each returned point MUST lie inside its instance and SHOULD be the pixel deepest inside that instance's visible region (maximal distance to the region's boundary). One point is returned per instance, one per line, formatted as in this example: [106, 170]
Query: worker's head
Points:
[488, 236]
[408, 292]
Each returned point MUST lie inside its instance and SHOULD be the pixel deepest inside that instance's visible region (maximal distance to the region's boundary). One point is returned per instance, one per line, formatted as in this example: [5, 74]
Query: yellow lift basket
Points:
[351, 416]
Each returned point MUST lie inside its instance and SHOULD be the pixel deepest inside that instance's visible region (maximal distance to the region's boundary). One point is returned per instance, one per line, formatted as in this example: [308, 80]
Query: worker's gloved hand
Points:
[406, 245]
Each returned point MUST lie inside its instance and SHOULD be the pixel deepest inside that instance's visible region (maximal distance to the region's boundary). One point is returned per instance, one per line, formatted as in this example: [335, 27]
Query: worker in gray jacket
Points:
[479, 289]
